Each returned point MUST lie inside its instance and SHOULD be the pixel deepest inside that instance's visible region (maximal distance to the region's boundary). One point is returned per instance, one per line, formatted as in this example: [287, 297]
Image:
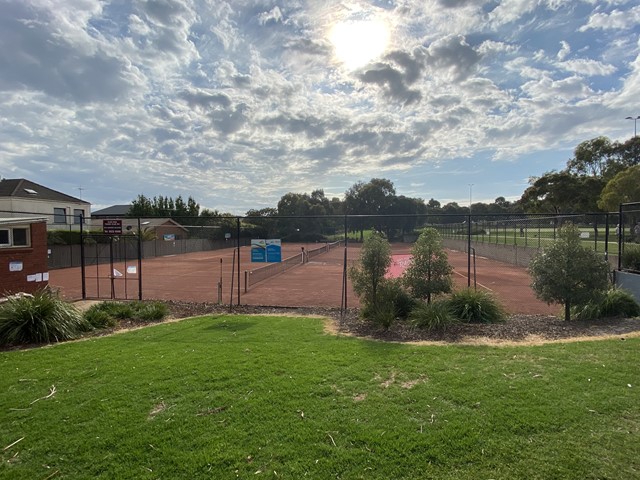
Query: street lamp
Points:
[635, 121]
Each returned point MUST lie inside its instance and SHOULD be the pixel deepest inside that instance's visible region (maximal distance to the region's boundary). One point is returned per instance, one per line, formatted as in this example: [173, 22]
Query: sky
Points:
[237, 103]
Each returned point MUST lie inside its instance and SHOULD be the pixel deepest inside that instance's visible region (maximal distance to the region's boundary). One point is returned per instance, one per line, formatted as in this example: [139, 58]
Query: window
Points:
[77, 216]
[59, 215]
[14, 237]
[20, 237]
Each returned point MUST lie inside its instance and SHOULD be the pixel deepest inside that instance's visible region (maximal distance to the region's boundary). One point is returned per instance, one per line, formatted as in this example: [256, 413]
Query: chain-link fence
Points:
[210, 258]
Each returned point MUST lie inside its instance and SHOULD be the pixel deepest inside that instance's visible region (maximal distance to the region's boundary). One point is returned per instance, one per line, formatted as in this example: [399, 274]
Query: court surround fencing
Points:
[508, 238]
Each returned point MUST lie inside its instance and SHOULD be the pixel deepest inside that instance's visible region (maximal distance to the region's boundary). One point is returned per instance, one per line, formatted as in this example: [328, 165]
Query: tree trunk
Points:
[567, 311]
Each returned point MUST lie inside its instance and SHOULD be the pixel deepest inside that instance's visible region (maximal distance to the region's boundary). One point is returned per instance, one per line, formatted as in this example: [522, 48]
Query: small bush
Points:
[97, 317]
[476, 306]
[434, 316]
[151, 312]
[391, 291]
[107, 314]
[383, 314]
[631, 258]
[40, 318]
[614, 303]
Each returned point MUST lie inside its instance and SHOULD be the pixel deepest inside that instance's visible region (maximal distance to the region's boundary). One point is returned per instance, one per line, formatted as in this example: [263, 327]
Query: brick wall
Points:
[34, 264]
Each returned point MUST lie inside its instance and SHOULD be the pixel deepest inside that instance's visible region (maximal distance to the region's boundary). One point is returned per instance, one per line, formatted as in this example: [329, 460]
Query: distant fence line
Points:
[66, 256]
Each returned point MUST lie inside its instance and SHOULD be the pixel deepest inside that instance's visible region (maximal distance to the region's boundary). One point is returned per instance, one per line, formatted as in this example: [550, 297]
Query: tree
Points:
[567, 272]
[368, 276]
[429, 272]
[591, 157]
[562, 192]
[623, 188]
[372, 198]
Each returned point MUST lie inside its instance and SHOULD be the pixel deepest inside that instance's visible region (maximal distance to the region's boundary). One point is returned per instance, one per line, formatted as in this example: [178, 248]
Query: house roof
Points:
[23, 188]
[21, 220]
[112, 211]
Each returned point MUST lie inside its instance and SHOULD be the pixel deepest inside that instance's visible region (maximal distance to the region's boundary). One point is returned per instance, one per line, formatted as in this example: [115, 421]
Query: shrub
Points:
[391, 291]
[98, 317]
[40, 318]
[107, 314]
[429, 273]
[631, 258]
[476, 306]
[567, 272]
[382, 314]
[151, 312]
[614, 303]
[434, 316]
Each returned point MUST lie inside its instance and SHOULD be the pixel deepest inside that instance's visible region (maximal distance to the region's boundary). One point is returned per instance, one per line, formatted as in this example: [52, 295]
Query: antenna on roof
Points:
[81, 188]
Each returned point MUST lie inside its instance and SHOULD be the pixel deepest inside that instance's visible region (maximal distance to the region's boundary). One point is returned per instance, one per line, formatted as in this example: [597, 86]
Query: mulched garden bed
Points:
[516, 328]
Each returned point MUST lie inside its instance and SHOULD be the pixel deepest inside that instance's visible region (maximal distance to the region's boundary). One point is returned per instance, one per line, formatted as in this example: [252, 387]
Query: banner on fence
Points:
[266, 250]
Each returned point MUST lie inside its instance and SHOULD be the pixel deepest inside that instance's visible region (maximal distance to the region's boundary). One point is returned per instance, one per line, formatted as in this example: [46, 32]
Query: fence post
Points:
[620, 236]
[139, 260]
[469, 252]
[606, 236]
[82, 267]
[238, 232]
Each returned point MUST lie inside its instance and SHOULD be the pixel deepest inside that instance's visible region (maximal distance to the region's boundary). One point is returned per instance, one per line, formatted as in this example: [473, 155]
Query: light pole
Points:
[635, 121]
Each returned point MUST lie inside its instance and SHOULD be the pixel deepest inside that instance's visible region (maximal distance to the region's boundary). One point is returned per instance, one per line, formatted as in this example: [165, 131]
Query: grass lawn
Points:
[269, 397]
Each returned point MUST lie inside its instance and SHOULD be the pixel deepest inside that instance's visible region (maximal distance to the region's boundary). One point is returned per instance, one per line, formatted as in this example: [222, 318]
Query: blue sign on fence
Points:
[266, 250]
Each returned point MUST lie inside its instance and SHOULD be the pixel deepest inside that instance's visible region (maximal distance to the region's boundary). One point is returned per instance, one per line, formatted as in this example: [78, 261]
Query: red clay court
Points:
[318, 282]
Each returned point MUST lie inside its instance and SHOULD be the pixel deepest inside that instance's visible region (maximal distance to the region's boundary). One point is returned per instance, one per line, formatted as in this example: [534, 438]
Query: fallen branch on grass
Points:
[52, 392]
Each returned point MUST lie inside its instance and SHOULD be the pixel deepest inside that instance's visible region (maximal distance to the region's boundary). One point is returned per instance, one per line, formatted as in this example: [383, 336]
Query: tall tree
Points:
[368, 275]
[591, 157]
[562, 192]
[623, 188]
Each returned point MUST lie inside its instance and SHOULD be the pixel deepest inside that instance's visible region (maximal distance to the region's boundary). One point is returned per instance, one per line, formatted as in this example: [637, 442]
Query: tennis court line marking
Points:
[477, 283]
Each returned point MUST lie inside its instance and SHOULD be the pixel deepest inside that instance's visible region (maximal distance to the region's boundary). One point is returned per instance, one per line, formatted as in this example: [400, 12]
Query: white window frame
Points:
[11, 236]
[57, 214]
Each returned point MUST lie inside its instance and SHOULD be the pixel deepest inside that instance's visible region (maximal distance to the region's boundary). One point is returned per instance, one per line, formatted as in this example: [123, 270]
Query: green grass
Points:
[267, 397]
[535, 238]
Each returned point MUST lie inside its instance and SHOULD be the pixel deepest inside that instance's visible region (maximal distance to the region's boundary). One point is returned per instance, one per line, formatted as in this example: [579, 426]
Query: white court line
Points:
[464, 276]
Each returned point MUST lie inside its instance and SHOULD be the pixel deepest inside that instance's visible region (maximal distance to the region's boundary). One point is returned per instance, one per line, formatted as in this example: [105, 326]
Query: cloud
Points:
[36, 54]
[275, 16]
[616, 20]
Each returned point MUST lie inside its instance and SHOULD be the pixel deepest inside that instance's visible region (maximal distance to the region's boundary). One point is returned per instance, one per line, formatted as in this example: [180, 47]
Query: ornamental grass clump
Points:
[39, 318]
[476, 306]
[614, 303]
[434, 316]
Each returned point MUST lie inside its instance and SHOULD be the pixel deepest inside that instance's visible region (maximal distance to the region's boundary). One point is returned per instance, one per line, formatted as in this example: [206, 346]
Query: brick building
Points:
[23, 255]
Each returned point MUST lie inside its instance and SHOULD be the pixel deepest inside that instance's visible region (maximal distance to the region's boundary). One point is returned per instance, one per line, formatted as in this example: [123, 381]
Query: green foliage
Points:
[434, 316]
[567, 272]
[40, 318]
[614, 303]
[99, 318]
[631, 257]
[624, 187]
[391, 291]
[375, 258]
[382, 314]
[476, 306]
[429, 272]
[107, 314]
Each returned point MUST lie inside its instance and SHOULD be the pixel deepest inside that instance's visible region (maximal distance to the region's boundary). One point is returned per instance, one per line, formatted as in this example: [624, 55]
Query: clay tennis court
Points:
[317, 282]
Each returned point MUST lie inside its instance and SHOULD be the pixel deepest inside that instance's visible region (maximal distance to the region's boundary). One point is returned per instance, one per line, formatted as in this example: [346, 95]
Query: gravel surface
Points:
[518, 328]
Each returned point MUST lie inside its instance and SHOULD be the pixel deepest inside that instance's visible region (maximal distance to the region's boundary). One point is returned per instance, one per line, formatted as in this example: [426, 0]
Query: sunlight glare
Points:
[358, 42]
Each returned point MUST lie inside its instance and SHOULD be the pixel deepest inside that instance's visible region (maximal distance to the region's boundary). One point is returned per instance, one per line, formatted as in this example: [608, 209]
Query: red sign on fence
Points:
[112, 227]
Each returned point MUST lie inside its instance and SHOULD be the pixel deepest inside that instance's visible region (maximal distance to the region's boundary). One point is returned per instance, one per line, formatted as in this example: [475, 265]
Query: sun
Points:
[357, 42]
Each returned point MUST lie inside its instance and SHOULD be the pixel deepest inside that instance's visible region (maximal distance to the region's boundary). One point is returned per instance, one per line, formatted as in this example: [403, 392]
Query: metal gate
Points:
[111, 264]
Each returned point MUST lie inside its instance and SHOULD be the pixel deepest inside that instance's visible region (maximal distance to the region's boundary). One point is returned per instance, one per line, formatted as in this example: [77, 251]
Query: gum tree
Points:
[567, 272]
